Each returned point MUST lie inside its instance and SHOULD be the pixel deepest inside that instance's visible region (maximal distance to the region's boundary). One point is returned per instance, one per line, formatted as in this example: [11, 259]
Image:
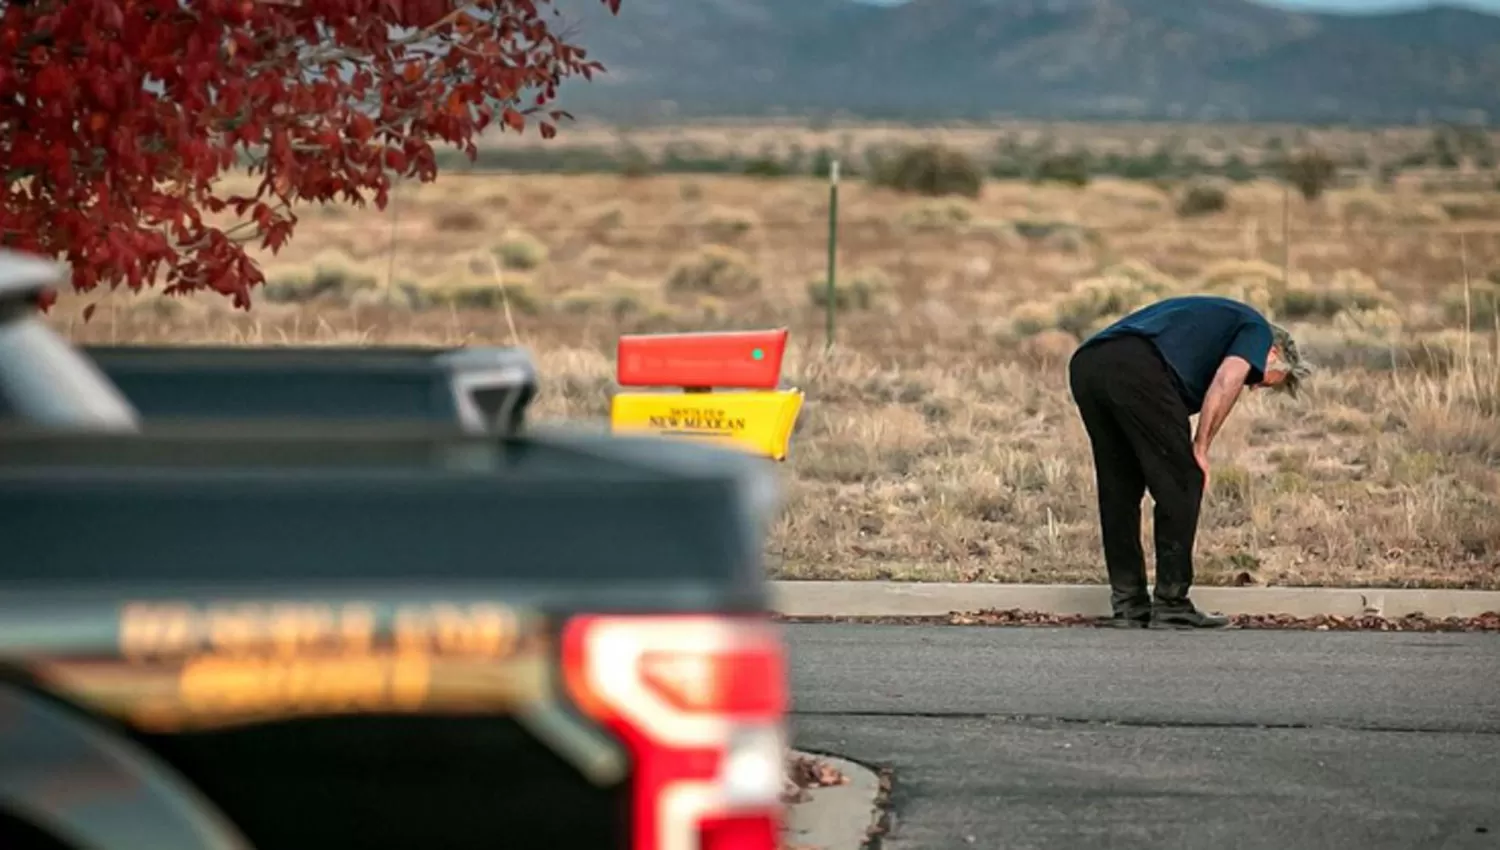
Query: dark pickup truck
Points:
[325, 634]
[479, 389]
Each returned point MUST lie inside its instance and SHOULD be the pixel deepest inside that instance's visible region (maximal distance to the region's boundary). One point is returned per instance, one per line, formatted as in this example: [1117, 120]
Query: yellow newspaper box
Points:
[759, 419]
[759, 422]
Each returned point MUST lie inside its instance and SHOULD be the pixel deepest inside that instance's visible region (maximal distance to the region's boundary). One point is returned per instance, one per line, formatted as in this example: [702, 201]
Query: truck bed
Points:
[600, 521]
[411, 383]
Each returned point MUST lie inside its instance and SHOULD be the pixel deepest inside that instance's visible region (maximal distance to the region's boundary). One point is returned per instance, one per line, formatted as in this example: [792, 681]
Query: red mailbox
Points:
[747, 359]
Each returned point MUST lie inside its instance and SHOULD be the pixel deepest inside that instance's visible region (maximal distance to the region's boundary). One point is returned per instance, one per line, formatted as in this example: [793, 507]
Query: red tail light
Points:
[701, 704]
[745, 685]
[743, 832]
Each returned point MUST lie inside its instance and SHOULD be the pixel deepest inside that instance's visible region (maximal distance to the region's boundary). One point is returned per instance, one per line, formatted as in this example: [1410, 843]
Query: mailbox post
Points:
[725, 389]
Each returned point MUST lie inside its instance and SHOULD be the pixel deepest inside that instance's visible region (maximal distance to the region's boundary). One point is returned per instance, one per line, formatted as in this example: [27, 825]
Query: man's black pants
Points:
[1138, 425]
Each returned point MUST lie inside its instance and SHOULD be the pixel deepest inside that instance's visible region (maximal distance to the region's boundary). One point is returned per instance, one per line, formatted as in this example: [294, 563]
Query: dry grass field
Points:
[751, 136]
[938, 441]
[1402, 157]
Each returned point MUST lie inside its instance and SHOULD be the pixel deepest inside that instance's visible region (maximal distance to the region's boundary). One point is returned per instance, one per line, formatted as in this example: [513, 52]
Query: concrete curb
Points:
[923, 599]
[837, 817]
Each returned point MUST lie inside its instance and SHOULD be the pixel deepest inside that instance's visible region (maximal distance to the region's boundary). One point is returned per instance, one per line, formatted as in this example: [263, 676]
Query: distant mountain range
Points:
[1211, 60]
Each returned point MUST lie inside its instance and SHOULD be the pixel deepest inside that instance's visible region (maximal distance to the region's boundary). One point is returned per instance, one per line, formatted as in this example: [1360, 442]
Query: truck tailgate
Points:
[356, 639]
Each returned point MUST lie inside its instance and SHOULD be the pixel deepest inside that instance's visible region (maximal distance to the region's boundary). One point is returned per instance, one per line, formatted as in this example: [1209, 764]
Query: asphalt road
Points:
[1092, 738]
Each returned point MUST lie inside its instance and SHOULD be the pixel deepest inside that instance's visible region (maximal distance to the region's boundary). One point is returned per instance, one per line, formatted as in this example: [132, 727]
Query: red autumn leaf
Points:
[361, 127]
[118, 118]
[395, 159]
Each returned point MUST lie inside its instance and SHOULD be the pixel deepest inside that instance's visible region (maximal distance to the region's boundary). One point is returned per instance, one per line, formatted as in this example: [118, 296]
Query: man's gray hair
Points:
[1290, 360]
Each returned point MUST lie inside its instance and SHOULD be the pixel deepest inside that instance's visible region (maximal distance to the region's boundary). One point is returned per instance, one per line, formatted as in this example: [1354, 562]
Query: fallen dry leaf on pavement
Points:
[1016, 617]
[1486, 622]
[803, 772]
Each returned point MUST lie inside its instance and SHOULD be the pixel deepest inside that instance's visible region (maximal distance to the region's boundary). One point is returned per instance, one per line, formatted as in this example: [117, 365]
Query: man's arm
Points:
[1225, 390]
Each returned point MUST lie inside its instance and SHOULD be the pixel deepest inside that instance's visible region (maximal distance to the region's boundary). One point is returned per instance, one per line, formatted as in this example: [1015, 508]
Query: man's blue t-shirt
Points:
[1194, 333]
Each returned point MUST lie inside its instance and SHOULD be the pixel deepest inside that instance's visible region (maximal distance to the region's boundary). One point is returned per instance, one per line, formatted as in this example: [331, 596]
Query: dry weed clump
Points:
[1048, 348]
[729, 224]
[1471, 209]
[619, 298]
[521, 251]
[1096, 301]
[1478, 304]
[1034, 317]
[331, 276]
[1365, 207]
[462, 219]
[1203, 198]
[930, 169]
[714, 270]
[938, 440]
[1345, 291]
[606, 216]
[1351, 300]
[937, 215]
[1060, 236]
[865, 289]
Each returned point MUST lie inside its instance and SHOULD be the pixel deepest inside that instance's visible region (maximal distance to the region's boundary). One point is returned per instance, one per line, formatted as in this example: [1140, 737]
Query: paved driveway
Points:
[1088, 738]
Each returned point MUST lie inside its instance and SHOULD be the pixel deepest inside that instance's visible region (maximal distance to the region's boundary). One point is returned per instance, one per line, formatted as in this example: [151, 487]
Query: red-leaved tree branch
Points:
[118, 116]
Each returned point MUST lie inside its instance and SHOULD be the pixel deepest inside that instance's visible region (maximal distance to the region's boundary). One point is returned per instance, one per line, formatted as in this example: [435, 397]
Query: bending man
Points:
[1136, 383]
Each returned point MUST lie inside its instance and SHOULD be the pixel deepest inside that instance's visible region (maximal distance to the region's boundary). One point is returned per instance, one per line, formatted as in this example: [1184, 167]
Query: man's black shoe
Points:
[1127, 620]
[1130, 607]
[1129, 613]
[1185, 616]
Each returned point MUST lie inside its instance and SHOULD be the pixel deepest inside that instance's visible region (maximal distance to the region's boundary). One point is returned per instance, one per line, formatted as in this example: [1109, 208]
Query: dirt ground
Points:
[938, 441]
